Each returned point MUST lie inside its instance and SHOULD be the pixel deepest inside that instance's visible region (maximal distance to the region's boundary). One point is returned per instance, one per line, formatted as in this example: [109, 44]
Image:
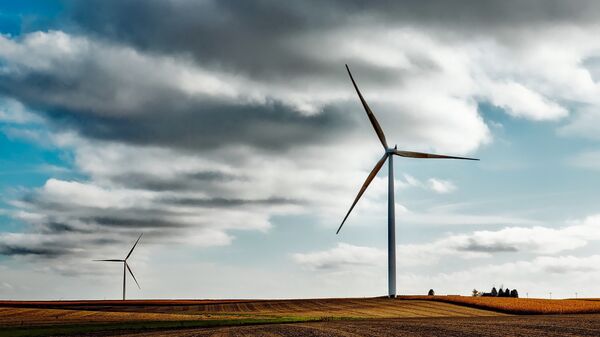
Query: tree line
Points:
[497, 293]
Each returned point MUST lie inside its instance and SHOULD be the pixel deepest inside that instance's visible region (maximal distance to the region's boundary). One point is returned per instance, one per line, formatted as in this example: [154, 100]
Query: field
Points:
[521, 306]
[301, 317]
[533, 326]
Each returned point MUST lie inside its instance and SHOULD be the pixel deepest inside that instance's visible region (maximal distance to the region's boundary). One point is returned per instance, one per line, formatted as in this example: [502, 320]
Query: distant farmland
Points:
[520, 306]
[531, 326]
[80, 317]
[109, 311]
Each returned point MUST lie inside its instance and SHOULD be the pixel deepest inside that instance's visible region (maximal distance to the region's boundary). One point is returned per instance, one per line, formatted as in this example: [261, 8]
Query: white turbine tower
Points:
[389, 155]
[126, 265]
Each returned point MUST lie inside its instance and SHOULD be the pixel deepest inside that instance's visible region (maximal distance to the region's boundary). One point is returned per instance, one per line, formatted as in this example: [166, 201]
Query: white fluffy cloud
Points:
[441, 186]
[342, 256]
[536, 240]
[520, 101]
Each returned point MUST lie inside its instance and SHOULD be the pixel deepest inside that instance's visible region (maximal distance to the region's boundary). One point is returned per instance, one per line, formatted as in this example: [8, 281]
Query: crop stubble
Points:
[542, 325]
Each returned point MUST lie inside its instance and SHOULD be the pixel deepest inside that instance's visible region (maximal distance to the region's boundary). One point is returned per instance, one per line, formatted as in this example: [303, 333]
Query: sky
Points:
[229, 133]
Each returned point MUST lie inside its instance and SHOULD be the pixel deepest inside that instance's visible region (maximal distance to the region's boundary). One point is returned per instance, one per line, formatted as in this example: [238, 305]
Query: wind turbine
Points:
[126, 265]
[389, 155]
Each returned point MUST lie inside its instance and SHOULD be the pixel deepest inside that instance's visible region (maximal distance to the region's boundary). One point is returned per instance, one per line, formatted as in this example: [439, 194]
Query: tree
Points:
[431, 292]
[475, 293]
[494, 291]
[514, 293]
[501, 292]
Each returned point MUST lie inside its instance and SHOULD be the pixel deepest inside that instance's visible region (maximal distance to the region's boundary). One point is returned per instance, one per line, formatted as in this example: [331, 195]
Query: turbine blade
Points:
[130, 272]
[135, 244]
[427, 155]
[110, 260]
[364, 187]
[370, 114]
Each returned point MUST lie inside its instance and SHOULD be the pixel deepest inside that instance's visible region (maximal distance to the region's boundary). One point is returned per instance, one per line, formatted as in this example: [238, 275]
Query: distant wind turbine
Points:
[389, 152]
[126, 265]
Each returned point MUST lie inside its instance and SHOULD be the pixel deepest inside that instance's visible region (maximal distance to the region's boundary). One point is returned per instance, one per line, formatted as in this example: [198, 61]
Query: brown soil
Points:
[318, 309]
[520, 306]
[43, 313]
[575, 325]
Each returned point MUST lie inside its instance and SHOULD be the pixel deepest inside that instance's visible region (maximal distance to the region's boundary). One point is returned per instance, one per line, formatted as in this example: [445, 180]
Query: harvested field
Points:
[553, 326]
[10, 317]
[413, 315]
[41, 318]
[523, 306]
[335, 308]
[96, 311]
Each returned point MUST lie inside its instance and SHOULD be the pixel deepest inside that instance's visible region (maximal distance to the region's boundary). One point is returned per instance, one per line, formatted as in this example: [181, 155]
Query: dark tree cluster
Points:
[499, 293]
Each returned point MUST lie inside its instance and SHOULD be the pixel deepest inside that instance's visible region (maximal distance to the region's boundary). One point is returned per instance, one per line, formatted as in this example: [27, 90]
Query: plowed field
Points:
[97, 312]
[406, 316]
[522, 306]
[550, 326]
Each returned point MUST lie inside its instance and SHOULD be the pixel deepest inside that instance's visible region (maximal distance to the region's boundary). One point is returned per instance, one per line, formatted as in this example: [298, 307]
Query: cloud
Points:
[583, 125]
[539, 240]
[225, 31]
[561, 275]
[115, 92]
[520, 101]
[587, 160]
[14, 112]
[198, 119]
[441, 186]
[40, 246]
[536, 240]
[342, 256]
[567, 264]
[437, 185]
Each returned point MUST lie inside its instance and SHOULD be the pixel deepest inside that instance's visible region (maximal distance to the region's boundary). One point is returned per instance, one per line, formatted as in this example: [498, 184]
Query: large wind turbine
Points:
[389, 155]
[126, 266]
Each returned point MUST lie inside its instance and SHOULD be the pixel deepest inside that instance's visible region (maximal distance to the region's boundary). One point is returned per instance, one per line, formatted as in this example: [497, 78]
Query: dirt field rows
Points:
[317, 309]
[28, 316]
[526, 306]
[405, 316]
[353, 308]
[551, 326]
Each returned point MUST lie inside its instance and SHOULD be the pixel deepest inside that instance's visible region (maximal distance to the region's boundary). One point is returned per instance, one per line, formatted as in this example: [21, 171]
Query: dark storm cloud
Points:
[163, 215]
[205, 125]
[37, 250]
[84, 99]
[239, 35]
[496, 247]
[181, 182]
[260, 40]
[60, 227]
[254, 37]
[133, 221]
[229, 202]
[73, 215]
[263, 41]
